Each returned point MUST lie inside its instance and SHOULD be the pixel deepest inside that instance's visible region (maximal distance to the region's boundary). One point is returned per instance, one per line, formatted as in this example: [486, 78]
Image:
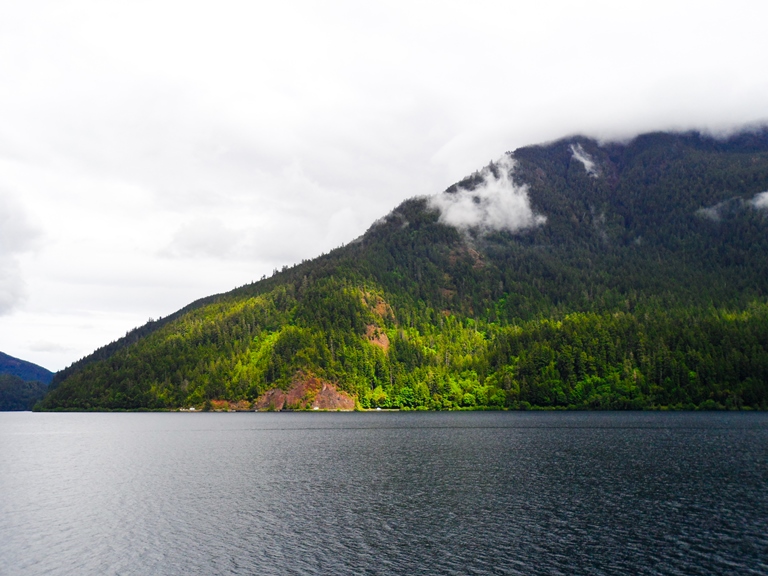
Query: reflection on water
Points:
[384, 493]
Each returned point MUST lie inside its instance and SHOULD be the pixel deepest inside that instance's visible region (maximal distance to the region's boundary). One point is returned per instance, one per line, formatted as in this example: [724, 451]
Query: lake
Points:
[384, 493]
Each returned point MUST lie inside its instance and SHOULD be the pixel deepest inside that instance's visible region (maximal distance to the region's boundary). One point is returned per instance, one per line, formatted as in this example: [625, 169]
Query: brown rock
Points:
[306, 392]
[377, 336]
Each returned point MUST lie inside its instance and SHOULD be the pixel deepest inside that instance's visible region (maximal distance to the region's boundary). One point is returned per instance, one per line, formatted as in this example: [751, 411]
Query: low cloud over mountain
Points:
[490, 200]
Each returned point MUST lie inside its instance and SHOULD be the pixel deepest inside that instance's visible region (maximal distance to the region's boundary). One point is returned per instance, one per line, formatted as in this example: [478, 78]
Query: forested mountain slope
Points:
[571, 274]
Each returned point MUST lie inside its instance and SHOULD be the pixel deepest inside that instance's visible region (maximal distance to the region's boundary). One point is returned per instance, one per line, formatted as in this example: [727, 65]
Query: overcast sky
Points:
[156, 152]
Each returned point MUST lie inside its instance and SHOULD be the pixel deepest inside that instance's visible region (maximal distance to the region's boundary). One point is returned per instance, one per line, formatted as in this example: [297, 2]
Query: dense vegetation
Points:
[22, 383]
[646, 287]
[18, 394]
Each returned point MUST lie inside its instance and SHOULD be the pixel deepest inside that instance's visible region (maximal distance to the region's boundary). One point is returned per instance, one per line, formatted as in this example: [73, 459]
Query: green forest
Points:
[646, 288]
[17, 394]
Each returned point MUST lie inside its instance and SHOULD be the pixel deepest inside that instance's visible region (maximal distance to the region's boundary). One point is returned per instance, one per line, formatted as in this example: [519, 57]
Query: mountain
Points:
[24, 370]
[574, 274]
[22, 383]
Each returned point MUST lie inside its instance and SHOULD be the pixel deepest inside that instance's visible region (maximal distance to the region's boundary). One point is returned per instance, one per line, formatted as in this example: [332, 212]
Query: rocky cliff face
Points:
[305, 393]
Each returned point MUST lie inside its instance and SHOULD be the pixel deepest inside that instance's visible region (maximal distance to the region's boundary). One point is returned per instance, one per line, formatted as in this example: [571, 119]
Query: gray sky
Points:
[152, 153]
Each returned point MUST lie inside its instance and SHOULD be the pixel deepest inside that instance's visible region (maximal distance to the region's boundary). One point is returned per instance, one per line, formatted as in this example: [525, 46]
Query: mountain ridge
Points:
[25, 370]
[627, 240]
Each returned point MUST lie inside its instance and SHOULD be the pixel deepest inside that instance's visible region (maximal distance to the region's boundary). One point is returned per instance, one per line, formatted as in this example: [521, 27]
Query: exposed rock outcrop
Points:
[306, 393]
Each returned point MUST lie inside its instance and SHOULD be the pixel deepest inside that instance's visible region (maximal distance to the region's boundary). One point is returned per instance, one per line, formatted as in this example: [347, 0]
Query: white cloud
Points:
[16, 237]
[49, 347]
[585, 159]
[203, 238]
[495, 204]
[733, 206]
[760, 201]
[243, 136]
[711, 212]
[16, 233]
[12, 286]
[339, 226]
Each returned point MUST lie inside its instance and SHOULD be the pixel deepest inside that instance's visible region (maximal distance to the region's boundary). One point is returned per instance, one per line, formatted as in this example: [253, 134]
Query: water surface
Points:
[384, 493]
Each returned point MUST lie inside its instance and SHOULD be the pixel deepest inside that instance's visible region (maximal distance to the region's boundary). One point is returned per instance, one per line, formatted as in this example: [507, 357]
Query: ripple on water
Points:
[456, 493]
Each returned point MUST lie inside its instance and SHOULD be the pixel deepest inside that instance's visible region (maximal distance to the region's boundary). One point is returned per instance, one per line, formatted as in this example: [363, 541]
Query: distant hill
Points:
[24, 370]
[572, 274]
[22, 383]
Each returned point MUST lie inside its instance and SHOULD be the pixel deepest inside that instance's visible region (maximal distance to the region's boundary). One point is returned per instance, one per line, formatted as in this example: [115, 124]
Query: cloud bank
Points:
[201, 238]
[497, 203]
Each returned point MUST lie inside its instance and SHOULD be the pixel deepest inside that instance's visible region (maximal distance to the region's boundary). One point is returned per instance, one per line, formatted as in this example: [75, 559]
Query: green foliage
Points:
[17, 394]
[628, 297]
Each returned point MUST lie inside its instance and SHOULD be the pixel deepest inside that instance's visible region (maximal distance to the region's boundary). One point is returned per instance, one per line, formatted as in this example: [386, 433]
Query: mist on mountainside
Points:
[574, 274]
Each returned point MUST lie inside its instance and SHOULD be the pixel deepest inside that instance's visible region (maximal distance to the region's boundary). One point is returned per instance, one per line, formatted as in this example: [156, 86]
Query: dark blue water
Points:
[384, 493]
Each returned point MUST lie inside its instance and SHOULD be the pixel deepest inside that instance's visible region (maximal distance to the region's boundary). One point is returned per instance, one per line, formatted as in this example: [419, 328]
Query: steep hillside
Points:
[571, 274]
